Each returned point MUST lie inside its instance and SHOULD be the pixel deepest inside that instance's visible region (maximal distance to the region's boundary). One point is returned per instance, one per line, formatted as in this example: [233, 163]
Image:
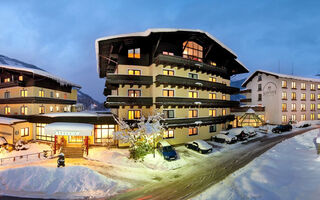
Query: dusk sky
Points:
[59, 36]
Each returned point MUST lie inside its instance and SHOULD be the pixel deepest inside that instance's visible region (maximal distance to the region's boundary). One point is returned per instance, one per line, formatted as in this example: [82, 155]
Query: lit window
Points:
[284, 96]
[293, 117]
[224, 112]
[75, 139]
[168, 53]
[318, 96]
[7, 80]
[293, 107]
[284, 84]
[303, 117]
[212, 95]
[168, 93]
[168, 134]
[134, 93]
[51, 108]
[212, 79]
[312, 116]
[303, 107]
[192, 75]
[57, 108]
[20, 78]
[284, 118]
[293, 96]
[168, 113]
[103, 133]
[41, 93]
[212, 128]
[192, 51]
[24, 93]
[24, 110]
[303, 86]
[40, 135]
[212, 112]
[134, 72]
[193, 131]
[303, 96]
[41, 110]
[312, 86]
[24, 132]
[134, 53]
[7, 110]
[193, 94]
[168, 72]
[284, 107]
[318, 86]
[261, 117]
[65, 96]
[312, 107]
[57, 95]
[193, 113]
[134, 114]
[312, 97]
[319, 116]
[224, 97]
[293, 85]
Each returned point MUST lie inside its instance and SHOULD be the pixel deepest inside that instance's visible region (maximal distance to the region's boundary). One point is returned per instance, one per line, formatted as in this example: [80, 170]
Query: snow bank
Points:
[289, 170]
[62, 183]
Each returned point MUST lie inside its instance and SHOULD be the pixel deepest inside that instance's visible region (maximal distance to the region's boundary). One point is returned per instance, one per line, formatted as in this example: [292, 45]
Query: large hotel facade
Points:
[283, 97]
[184, 74]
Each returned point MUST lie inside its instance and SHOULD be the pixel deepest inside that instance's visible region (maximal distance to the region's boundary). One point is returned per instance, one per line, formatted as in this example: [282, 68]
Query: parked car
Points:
[200, 146]
[239, 134]
[304, 125]
[249, 130]
[166, 150]
[282, 128]
[223, 138]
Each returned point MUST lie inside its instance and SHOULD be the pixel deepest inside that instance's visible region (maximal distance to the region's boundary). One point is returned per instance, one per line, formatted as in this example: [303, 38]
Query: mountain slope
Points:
[89, 103]
[237, 83]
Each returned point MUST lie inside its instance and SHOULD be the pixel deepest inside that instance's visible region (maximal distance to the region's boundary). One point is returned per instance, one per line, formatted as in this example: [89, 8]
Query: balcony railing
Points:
[124, 79]
[11, 84]
[195, 83]
[42, 100]
[245, 109]
[116, 101]
[191, 64]
[199, 121]
[245, 100]
[195, 102]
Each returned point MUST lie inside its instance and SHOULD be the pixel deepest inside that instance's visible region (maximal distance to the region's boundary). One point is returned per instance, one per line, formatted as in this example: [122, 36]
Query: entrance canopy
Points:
[69, 129]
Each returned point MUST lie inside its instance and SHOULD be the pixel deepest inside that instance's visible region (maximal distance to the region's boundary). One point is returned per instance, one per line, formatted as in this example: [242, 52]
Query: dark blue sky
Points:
[59, 35]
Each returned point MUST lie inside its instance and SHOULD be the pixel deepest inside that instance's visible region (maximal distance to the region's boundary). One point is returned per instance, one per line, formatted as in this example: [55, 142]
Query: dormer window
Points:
[168, 53]
[20, 78]
[134, 53]
[7, 80]
[192, 50]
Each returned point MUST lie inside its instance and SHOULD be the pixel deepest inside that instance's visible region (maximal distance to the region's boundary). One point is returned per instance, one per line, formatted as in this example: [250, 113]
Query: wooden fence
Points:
[39, 155]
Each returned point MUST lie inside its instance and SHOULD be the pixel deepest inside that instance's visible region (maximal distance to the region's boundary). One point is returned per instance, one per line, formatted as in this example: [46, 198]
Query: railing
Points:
[11, 84]
[45, 154]
[125, 79]
[116, 101]
[195, 102]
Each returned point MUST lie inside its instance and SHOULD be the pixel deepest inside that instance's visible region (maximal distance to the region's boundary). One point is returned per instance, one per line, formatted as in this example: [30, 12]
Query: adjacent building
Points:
[283, 97]
[184, 74]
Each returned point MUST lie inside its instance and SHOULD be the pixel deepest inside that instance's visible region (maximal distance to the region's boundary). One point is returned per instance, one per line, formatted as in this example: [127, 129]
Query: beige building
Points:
[285, 97]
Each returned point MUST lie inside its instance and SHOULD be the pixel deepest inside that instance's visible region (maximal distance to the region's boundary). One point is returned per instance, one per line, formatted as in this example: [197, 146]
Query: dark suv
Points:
[282, 128]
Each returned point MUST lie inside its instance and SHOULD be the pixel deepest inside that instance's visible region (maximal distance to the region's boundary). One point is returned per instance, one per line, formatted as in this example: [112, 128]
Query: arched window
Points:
[192, 51]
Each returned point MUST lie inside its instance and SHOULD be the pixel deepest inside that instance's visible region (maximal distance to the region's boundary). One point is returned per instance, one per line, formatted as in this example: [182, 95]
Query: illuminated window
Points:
[167, 93]
[168, 72]
[284, 84]
[41, 93]
[20, 78]
[57, 108]
[134, 53]
[193, 131]
[134, 114]
[312, 97]
[134, 72]
[40, 135]
[303, 86]
[134, 93]
[192, 51]
[284, 107]
[319, 116]
[293, 96]
[318, 96]
[284, 119]
[7, 95]
[192, 75]
[24, 93]
[293, 85]
[303, 96]
[284, 96]
[24, 132]
[312, 86]
[103, 133]
[318, 106]
[293, 117]
[224, 112]
[51, 108]
[261, 117]
[168, 53]
[318, 86]
[57, 95]
[212, 128]
[312, 116]
[168, 113]
[223, 97]
[75, 139]
[41, 110]
[7, 110]
[193, 113]
[212, 79]
[212, 95]
[168, 134]
[193, 94]
[24, 110]
[7, 80]
[303, 117]
[212, 112]
[293, 107]
[303, 107]
[65, 96]
[312, 107]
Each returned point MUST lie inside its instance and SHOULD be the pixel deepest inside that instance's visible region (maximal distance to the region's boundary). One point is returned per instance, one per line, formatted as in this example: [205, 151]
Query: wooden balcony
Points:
[41, 100]
[123, 79]
[195, 84]
[245, 91]
[117, 101]
[11, 84]
[199, 121]
[245, 100]
[181, 62]
[194, 102]
[245, 109]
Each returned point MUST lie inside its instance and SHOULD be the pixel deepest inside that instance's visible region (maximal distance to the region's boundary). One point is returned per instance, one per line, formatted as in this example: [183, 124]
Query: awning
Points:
[68, 129]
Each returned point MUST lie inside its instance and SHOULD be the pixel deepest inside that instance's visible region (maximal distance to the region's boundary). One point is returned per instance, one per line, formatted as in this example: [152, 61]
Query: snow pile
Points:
[289, 170]
[62, 183]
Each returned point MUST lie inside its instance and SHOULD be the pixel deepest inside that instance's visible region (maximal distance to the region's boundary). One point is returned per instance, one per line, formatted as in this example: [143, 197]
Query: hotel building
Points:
[284, 97]
[184, 74]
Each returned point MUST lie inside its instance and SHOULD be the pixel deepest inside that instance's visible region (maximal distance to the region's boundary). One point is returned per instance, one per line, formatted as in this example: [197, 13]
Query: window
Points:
[134, 53]
[57, 95]
[24, 132]
[193, 131]
[193, 94]
[284, 119]
[168, 72]
[168, 93]
[293, 96]
[134, 93]
[65, 96]
[259, 78]
[293, 85]
[293, 107]
[284, 96]
[312, 97]
[57, 108]
[303, 107]
[192, 50]
[7, 95]
[318, 106]
[51, 108]
[192, 75]
[319, 116]
[312, 107]
[293, 117]
[212, 112]
[212, 79]
[318, 86]
[7, 80]
[212, 128]
[103, 133]
[259, 87]
[212, 95]
[24, 110]
[168, 134]
[193, 113]
[134, 114]
[303, 117]
[66, 109]
[312, 86]
[40, 135]
[41, 93]
[284, 107]
[318, 97]
[284, 84]
[7, 110]
[312, 116]
[24, 93]
[224, 112]
[168, 113]
[213, 63]
[51, 94]
[75, 139]
[41, 110]
[134, 72]
[303, 86]
[168, 53]
[223, 97]
[303, 96]
[259, 97]
[20, 78]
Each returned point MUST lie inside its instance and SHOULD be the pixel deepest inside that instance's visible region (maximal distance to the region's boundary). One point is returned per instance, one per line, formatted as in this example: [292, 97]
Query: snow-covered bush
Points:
[20, 145]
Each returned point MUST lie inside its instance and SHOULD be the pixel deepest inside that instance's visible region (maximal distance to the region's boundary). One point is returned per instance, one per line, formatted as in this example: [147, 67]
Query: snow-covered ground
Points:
[290, 170]
[60, 183]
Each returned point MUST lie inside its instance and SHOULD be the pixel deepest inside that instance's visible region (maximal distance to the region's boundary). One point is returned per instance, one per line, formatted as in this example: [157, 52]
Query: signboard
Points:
[69, 129]
[71, 133]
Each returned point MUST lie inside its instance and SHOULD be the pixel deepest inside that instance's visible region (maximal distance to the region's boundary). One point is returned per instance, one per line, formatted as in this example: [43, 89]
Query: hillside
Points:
[89, 103]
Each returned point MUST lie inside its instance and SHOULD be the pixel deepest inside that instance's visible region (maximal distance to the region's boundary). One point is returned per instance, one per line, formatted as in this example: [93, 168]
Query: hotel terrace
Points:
[184, 74]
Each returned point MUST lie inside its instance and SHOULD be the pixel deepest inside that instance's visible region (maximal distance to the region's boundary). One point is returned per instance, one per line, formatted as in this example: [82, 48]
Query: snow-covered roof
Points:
[65, 128]
[278, 75]
[14, 64]
[164, 143]
[10, 121]
[250, 111]
[76, 114]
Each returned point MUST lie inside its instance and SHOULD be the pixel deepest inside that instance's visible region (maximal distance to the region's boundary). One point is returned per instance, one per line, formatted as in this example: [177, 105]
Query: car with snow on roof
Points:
[282, 128]
[224, 138]
[166, 150]
[238, 133]
[200, 146]
[249, 130]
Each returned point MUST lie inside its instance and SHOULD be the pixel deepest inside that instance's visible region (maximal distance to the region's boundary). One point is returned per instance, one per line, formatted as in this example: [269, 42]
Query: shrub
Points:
[140, 150]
